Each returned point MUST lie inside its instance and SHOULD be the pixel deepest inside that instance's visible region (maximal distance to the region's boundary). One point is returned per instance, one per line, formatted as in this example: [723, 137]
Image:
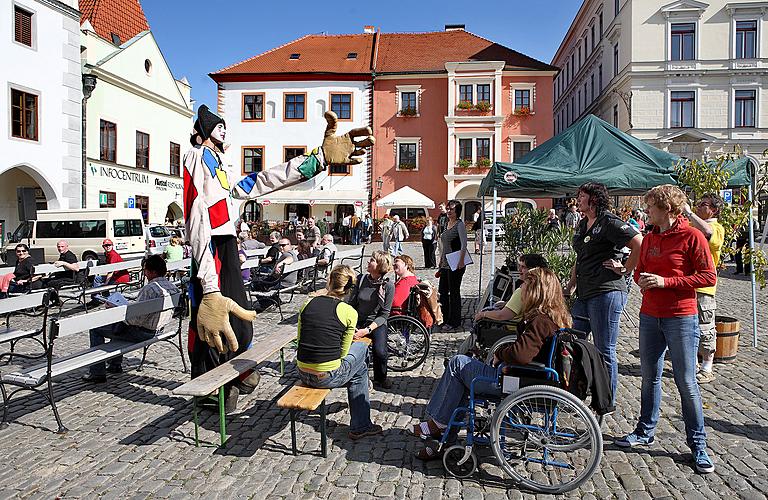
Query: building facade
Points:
[138, 117]
[685, 76]
[274, 103]
[42, 109]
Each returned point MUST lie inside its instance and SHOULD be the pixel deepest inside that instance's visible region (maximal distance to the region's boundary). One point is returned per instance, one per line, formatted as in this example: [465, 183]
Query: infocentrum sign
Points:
[137, 177]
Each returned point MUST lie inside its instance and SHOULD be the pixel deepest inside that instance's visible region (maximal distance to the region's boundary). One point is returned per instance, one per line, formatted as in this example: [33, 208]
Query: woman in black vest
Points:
[453, 239]
[328, 358]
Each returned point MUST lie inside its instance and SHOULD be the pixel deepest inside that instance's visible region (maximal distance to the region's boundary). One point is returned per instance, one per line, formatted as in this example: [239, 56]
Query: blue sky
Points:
[199, 37]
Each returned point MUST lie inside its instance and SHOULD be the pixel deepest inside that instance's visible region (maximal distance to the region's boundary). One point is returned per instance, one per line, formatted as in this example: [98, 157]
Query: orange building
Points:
[446, 105]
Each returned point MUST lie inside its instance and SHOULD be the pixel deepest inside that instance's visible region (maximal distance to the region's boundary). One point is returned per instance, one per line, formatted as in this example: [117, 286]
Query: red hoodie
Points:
[681, 256]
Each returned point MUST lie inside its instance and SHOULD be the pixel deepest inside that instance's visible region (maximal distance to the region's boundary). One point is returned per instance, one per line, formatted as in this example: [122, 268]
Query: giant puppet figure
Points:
[220, 327]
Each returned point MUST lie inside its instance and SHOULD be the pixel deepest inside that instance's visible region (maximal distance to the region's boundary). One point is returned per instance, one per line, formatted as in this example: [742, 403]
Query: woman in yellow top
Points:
[328, 358]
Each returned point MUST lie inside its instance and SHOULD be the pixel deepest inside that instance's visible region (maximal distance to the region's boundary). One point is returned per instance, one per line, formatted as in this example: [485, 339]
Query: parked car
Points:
[176, 231]
[158, 238]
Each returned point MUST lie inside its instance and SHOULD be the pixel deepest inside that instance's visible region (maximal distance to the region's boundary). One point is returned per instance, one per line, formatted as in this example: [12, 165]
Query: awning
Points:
[406, 197]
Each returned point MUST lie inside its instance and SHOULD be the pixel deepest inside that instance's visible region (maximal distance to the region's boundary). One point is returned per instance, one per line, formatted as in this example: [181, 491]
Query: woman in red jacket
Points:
[674, 262]
[404, 280]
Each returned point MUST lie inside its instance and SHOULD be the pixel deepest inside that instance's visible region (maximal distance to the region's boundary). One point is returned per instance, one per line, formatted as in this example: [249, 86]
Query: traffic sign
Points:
[103, 199]
[727, 195]
[131, 202]
[358, 203]
[311, 203]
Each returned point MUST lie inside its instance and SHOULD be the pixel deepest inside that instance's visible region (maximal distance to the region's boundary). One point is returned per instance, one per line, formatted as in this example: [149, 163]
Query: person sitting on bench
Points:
[544, 312]
[70, 274]
[328, 358]
[327, 249]
[277, 279]
[23, 280]
[136, 329]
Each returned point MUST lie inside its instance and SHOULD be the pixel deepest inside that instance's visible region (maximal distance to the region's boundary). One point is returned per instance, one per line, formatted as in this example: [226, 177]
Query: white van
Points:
[84, 230]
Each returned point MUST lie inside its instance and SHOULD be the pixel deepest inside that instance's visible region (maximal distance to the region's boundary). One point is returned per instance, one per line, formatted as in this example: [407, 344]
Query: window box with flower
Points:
[483, 162]
[406, 166]
[465, 105]
[408, 111]
[464, 163]
[523, 111]
[483, 106]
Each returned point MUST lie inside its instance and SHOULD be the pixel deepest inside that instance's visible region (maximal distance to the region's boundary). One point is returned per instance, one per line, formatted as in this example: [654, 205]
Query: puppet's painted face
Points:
[219, 133]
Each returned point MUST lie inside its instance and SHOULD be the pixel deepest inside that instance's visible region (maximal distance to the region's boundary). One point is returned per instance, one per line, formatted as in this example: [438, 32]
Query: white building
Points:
[138, 118]
[686, 76]
[41, 105]
[273, 105]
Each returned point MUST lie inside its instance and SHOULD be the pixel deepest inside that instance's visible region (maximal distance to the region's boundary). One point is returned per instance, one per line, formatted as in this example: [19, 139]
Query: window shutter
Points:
[23, 26]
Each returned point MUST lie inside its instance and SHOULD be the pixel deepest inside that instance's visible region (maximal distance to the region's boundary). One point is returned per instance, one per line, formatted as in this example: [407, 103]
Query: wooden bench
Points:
[213, 381]
[31, 378]
[80, 291]
[303, 398]
[21, 304]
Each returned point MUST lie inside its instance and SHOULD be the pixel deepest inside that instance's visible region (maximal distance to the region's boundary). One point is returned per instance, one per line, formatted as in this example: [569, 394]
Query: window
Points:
[746, 39]
[573, 65]
[253, 107]
[291, 152]
[175, 160]
[484, 93]
[127, 227]
[483, 148]
[520, 149]
[592, 86]
[294, 106]
[465, 149]
[465, 93]
[23, 115]
[600, 17]
[339, 170]
[142, 150]
[253, 159]
[578, 95]
[745, 108]
[616, 7]
[68, 229]
[107, 141]
[600, 78]
[341, 104]
[115, 38]
[522, 99]
[142, 203]
[107, 199]
[683, 42]
[683, 104]
[406, 156]
[408, 102]
[22, 26]
[616, 59]
[352, 55]
[592, 31]
[616, 115]
[295, 56]
[586, 102]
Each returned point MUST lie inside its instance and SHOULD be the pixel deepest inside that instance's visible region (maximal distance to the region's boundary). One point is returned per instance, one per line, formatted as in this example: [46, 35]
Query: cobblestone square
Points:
[132, 438]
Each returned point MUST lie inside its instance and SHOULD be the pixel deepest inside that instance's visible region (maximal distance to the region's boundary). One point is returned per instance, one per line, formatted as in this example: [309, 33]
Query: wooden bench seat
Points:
[301, 397]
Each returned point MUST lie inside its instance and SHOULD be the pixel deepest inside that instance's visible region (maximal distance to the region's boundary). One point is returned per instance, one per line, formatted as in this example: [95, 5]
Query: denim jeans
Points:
[397, 248]
[681, 336]
[604, 313]
[353, 373]
[355, 236]
[380, 353]
[117, 331]
[453, 389]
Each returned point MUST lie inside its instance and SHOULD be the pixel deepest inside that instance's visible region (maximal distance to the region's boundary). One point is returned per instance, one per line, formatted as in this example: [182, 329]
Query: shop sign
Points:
[103, 199]
[358, 203]
[311, 203]
[265, 203]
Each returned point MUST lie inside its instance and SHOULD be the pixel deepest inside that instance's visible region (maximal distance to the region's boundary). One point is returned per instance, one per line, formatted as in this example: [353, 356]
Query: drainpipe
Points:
[89, 83]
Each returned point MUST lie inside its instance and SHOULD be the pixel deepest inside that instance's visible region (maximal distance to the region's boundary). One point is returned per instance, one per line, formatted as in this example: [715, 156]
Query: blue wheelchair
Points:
[543, 437]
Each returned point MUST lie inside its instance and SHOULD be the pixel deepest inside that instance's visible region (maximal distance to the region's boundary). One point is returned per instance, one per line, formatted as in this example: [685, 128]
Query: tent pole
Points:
[752, 270]
[482, 235]
[493, 234]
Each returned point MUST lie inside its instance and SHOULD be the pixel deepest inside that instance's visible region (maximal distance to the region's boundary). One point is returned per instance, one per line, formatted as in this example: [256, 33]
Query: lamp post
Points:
[379, 185]
[89, 83]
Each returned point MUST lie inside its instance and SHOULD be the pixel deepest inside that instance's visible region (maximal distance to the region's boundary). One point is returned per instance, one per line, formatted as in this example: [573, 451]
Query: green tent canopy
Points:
[590, 150]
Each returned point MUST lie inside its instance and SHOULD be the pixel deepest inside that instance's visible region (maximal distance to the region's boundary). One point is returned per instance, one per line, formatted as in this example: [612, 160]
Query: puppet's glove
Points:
[213, 321]
[343, 149]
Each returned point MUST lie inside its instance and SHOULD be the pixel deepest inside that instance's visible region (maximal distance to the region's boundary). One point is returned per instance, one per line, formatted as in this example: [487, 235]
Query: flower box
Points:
[407, 112]
[483, 162]
[483, 106]
[523, 111]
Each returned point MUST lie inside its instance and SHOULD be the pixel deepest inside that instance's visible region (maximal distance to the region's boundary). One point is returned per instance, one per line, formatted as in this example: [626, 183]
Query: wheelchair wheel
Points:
[453, 456]
[502, 342]
[407, 343]
[546, 439]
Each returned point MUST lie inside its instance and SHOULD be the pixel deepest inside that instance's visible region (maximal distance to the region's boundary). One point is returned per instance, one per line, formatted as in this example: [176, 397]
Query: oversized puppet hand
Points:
[213, 321]
[342, 149]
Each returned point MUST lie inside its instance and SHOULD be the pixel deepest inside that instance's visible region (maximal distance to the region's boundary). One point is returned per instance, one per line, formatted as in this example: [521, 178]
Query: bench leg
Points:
[282, 362]
[194, 418]
[4, 423]
[293, 432]
[62, 429]
[143, 358]
[222, 417]
[323, 436]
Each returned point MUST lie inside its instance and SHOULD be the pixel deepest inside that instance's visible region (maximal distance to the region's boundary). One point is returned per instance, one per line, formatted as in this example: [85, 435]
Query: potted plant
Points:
[464, 163]
[483, 162]
[465, 105]
[523, 111]
[407, 166]
[409, 111]
[483, 106]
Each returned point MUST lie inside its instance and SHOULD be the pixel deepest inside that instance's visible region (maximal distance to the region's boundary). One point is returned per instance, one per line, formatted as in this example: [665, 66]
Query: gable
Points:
[684, 7]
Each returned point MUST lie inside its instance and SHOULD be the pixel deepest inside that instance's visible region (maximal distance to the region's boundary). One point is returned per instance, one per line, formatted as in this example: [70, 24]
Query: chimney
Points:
[454, 27]
[369, 29]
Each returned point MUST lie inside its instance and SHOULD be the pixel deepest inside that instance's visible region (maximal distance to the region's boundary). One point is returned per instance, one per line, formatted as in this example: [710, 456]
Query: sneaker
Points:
[632, 440]
[249, 383]
[372, 431]
[230, 399]
[702, 463]
[705, 377]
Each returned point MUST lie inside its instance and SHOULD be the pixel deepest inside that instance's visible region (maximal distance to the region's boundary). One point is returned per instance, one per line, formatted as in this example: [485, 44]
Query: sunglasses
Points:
[284, 244]
[21, 251]
[106, 246]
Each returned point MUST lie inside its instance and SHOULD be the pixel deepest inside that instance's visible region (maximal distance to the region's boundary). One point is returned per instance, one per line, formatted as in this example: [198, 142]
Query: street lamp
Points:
[379, 185]
[89, 83]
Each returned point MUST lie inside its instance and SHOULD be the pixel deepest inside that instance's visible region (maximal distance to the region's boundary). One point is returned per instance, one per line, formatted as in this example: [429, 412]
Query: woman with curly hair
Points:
[598, 276]
[674, 261]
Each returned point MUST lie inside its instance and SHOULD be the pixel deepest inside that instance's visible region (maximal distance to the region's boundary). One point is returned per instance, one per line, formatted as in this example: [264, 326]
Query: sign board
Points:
[358, 203]
[510, 176]
[264, 203]
[103, 199]
[727, 195]
[131, 202]
[328, 213]
[311, 203]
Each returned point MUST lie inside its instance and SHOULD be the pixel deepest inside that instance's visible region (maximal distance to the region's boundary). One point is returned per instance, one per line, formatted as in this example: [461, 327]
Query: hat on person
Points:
[204, 125]
[106, 242]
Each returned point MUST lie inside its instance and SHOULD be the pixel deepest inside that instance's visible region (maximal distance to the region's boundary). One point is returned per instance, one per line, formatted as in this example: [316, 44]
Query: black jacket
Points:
[586, 374]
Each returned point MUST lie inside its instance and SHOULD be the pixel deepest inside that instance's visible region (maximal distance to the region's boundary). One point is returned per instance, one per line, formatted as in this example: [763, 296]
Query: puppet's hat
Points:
[206, 122]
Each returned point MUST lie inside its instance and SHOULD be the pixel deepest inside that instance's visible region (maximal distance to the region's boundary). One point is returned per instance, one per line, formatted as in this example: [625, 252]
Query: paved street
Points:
[131, 438]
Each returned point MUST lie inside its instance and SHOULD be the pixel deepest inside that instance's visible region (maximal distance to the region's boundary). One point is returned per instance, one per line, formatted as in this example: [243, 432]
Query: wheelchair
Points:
[407, 336]
[543, 437]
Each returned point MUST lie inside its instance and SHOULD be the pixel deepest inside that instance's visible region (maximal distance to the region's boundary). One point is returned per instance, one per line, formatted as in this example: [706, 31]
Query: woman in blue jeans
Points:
[674, 261]
[598, 276]
[327, 357]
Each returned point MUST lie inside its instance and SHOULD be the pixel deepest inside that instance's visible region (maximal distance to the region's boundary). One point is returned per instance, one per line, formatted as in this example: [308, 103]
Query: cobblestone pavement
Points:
[132, 438]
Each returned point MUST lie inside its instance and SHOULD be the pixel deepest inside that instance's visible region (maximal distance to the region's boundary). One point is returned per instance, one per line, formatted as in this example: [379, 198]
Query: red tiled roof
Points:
[414, 52]
[397, 53]
[317, 54]
[125, 18]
